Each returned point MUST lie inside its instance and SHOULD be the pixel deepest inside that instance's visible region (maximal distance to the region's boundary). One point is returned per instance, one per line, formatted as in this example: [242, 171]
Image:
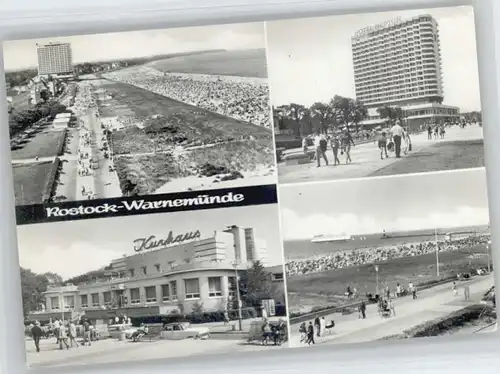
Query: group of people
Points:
[244, 99]
[65, 333]
[348, 258]
[317, 328]
[342, 143]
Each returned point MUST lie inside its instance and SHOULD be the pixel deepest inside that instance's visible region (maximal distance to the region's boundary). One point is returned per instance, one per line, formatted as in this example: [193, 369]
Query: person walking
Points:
[36, 334]
[63, 338]
[362, 309]
[467, 292]
[310, 334]
[413, 290]
[72, 334]
[335, 144]
[397, 134]
[317, 326]
[320, 144]
[382, 145]
[346, 142]
[454, 289]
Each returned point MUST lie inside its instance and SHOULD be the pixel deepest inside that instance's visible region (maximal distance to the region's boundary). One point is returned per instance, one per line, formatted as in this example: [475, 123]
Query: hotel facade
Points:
[164, 276]
[398, 64]
[55, 59]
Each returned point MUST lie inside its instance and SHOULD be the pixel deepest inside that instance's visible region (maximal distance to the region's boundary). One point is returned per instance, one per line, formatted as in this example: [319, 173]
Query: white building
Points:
[398, 63]
[55, 59]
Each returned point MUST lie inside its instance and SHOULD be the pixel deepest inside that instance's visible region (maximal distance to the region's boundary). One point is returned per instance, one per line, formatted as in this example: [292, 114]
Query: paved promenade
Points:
[366, 158]
[431, 304]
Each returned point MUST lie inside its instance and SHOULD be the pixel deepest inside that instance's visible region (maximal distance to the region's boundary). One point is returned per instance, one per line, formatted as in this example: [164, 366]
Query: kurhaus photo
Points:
[153, 286]
[375, 94]
[388, 258]
[138, 113]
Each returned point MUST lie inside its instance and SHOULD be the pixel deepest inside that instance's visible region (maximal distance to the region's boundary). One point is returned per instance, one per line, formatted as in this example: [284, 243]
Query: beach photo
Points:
[375, 94]
[388, 258]
[153, 286]
[139, 113]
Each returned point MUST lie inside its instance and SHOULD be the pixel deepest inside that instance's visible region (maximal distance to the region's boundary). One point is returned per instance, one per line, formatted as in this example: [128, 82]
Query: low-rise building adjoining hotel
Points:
[172, 275]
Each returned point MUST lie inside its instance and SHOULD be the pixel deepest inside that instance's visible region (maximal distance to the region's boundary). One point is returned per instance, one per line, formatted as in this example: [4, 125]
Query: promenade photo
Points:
[375, 94]
[158, 286]
[388, 258]
[139, 113]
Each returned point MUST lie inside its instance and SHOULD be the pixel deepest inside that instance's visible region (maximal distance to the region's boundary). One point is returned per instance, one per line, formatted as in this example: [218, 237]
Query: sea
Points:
[305, 249]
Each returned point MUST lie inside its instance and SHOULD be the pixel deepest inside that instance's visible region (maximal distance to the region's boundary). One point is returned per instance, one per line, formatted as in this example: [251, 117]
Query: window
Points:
[84, 301]
[132, 273]
[107, 298]
[54, 302]
[150, 294]
[192, 287]
[173, 290]
[69, 302]
[144, 270]
[95, 299]
[165, 292]
[158, 267]
[214, 286]
[135, 296]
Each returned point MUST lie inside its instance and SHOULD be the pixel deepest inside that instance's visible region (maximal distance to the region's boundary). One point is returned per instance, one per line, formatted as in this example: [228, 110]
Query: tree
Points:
[255, 285]
[33, 286]
[390, 113]
[324, 113]
[295, 112]
[348, 111]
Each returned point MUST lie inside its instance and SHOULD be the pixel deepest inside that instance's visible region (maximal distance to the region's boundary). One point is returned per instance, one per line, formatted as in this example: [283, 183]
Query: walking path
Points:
[366, 158]
[432, 303]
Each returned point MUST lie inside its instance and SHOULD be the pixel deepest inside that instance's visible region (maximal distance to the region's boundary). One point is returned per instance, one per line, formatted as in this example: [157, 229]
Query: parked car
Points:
[116, 330]
[184, 330]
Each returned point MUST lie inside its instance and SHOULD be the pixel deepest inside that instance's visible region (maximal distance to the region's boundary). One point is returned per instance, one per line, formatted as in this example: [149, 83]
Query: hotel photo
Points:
[139, 113]
[388, 258]
[375, 94]
[153, 286]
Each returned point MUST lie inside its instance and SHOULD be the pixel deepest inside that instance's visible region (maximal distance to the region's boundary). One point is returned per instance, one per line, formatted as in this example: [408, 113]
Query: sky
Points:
[310, 59]
[367, 206]
[73, 248]
[87, 48]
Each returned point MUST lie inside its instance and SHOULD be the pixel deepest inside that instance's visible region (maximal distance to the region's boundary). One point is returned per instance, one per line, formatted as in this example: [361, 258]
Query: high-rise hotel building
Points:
[55, 59]
[398, 63]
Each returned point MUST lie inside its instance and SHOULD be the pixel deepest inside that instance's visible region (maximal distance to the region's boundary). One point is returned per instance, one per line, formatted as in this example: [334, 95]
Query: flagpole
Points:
[437, 252]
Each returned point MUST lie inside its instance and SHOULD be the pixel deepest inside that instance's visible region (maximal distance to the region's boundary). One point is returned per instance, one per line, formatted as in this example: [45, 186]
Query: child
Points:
[335, 144]
[382, 145]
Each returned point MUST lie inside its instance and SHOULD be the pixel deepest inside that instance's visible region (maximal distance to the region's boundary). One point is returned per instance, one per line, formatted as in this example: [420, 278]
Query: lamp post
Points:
[437, 251]
[488, 249]
[376, 279]
[235, 264]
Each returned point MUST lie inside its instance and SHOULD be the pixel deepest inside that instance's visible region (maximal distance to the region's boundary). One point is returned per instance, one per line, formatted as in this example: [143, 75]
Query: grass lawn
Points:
[44, 144]
[418, 269]
[445, 156]
[247, 63]
[29, 182]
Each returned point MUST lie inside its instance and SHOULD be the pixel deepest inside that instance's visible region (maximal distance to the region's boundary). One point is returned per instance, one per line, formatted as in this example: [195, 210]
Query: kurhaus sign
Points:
[151, 242]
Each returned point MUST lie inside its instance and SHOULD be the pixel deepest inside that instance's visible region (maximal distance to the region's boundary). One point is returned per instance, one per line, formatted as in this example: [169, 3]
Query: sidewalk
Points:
[366, 158]
[431, 304]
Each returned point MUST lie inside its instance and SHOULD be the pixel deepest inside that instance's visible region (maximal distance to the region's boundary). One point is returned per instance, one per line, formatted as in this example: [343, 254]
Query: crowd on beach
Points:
[244, 99]
[349, 258]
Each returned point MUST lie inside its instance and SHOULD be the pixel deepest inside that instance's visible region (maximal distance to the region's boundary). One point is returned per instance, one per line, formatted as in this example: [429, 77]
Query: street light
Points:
[376, 277]
[235, 264]
[437, 251]
[488, 249]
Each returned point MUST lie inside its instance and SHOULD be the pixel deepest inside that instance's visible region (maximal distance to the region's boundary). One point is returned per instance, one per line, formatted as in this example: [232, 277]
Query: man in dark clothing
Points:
[310, 334]
[36, 334]
[317, 325]
[362, 309]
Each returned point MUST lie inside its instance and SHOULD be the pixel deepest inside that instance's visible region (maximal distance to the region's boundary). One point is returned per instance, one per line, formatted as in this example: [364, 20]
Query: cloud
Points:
[78, 258]
[297, 227]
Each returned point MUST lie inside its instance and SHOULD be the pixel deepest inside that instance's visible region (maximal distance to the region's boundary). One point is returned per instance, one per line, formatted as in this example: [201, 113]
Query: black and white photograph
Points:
[375, 94]
[388, 258]
[139, 113]
[153, 286]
